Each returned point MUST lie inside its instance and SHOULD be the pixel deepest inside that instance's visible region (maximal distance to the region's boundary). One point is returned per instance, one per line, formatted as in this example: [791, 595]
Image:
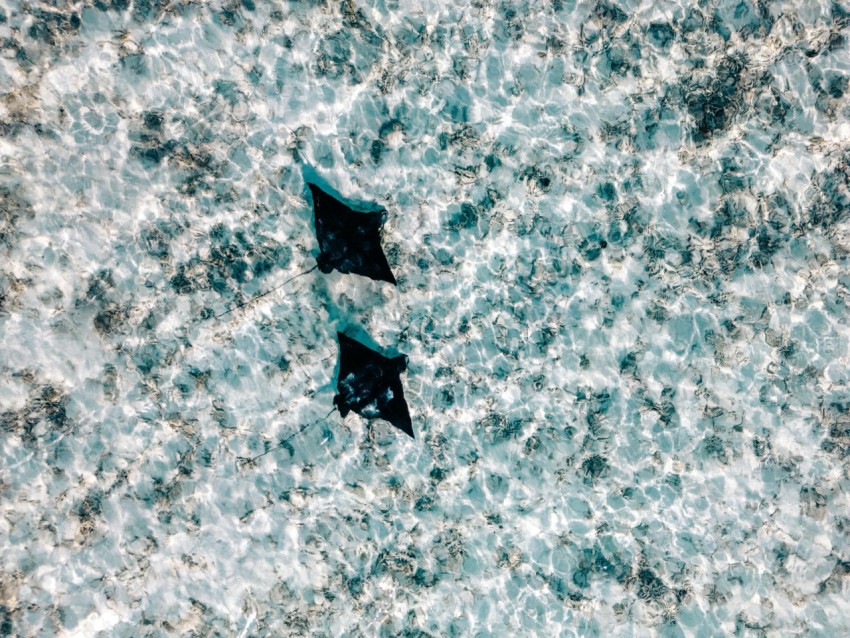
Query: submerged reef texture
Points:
[621, 237]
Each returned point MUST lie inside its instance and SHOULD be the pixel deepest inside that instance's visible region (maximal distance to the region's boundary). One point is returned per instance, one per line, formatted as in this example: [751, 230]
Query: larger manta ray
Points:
[349, 241]
[369, 384]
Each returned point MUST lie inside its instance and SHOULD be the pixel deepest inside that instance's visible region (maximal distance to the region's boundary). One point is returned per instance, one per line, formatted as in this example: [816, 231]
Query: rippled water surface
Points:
[621, 234]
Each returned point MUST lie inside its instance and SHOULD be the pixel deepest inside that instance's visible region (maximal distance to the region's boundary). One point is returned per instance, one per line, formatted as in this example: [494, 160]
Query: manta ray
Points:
[369, 384]
[349, 240]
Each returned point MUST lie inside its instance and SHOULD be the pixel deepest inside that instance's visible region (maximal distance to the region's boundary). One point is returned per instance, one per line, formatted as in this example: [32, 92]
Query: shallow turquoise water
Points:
[620, 233]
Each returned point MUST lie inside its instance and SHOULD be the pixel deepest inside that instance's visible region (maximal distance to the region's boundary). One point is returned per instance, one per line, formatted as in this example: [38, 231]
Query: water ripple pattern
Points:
[621, 234]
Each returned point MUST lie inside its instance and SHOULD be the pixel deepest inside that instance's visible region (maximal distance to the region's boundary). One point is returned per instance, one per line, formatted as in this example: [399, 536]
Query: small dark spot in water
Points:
[425, 578]
[661, 34]
[151, 156]
[7, 628]
[628, 365]
[376, 151]
[674, 481]
[144, 10]
[155, 242]
[238, 270]
[180, 282]
[91, 506]
[650, 587]
[837, 86]
[666, 412]
[147, 358]
[713, 106]
[466, 218]
[355, 586]
[712, 445]
[227, 89]
[100, 286]
[512, 27]
[488, 201]
[116, 5]
[782, 552]
[255, 74]
[559, 587]
[591, 247]
[390, 127]
[492, 162]
[447, 397]
[41, 31]
[502, 428]
[606, 191]
[581, 577]
[788, 350]
[537, 178]
[23, 59]
[152, 120]
[229, 17]
[219, 285]
[108, 320]
[424, 503]
[836, 41]
[437, 474]
[760, 447]
[594, 467]
[609, 13]
[658, 313]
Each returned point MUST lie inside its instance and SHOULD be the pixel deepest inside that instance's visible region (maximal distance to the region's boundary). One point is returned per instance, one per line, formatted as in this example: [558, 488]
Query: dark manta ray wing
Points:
[367, 256]
[369, 384]
[354, 382]
[328, 226]
[349, 241]
[354, 356]
[360, 389]
[393, 408]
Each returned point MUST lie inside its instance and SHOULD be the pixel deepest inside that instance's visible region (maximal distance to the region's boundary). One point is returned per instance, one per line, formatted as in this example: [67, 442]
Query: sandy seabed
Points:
[621, 234]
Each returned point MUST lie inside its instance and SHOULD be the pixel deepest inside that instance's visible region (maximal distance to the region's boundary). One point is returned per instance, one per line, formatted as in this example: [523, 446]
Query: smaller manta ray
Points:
[349, 241]
[369, 384]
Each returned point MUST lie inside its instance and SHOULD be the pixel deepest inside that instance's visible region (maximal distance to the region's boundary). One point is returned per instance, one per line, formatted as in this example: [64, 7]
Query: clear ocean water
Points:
[621, 234]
